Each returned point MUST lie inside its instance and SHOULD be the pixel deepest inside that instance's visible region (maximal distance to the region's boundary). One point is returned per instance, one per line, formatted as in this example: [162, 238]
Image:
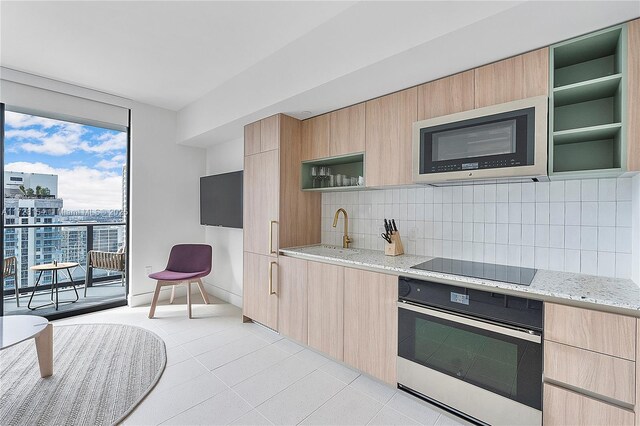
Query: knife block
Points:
[394, 248]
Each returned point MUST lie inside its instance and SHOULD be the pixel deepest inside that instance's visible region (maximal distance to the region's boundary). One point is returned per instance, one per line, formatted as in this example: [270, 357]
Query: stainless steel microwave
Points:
[506, 141]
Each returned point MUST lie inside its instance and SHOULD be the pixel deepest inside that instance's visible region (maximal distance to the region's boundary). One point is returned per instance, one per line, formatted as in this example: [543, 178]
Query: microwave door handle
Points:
[518, 334]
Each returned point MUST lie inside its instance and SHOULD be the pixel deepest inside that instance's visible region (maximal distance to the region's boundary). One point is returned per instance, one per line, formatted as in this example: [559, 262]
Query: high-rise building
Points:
[31, 199]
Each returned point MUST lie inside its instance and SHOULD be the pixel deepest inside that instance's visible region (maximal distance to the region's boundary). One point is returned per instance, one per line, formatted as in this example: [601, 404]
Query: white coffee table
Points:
[18, 328]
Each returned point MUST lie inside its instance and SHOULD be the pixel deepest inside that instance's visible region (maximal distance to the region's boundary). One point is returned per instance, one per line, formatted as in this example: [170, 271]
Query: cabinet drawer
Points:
[564, 407]
[596, 331]
[598, 373]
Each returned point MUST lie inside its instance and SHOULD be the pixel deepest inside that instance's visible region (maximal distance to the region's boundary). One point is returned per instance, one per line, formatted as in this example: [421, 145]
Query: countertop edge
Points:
[462, 282]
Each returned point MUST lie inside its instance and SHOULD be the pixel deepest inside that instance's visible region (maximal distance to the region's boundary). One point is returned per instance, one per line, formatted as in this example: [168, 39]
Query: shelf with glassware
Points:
[340, 173]
[587, 123]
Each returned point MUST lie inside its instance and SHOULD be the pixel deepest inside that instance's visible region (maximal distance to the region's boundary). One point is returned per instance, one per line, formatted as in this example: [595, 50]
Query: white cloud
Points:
[108, 142]
[24, 134]
[61, 138]
[115, 162]
[80, 187]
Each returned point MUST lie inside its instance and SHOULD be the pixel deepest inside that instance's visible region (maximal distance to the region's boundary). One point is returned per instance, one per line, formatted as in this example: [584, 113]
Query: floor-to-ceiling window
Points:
[65, 200]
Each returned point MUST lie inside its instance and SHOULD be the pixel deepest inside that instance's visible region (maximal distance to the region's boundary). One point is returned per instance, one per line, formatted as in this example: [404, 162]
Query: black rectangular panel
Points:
[221, 200]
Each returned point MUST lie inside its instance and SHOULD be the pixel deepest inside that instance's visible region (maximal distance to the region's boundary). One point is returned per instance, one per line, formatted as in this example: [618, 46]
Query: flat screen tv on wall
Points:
[221, 200]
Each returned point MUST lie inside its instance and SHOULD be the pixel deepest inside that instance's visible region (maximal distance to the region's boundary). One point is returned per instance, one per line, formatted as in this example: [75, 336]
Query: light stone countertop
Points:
[588, 291]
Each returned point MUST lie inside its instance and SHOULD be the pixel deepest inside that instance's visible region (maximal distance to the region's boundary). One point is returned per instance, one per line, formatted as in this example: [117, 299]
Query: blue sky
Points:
[88, 160]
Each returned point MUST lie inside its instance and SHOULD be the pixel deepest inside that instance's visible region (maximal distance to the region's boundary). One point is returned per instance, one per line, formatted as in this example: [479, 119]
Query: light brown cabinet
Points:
[252, 138]
[565, 407]
[326, 308]
[275, 213]
[347, 130]
[601, 332]
[590, 366]
[259, 298]
[371, 323]
[292, 298]
[388, 124]
[600, 374]
[316, 132]
[520, 77]
[446, 96]
[261, 203]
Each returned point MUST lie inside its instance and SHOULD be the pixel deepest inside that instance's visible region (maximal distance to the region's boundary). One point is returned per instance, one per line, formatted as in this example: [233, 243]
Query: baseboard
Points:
[223, 294]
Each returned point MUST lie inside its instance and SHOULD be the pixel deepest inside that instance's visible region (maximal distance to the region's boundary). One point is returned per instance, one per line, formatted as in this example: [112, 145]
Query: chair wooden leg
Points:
[189, 299]
[173, 294]
[44, 349]
[204, 294]
[156, 294]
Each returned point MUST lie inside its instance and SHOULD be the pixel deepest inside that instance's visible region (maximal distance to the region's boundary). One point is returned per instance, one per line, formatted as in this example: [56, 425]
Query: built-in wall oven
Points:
[474, 352]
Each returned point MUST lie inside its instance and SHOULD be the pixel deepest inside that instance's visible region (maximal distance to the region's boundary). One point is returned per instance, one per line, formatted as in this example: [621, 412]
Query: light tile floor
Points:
[222, 371]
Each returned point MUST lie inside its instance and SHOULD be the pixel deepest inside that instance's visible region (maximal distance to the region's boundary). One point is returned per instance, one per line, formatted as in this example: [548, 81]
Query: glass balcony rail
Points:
[35, 244]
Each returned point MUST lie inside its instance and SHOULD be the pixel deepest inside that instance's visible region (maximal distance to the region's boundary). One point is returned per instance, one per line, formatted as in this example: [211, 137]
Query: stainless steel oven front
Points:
[481, 359]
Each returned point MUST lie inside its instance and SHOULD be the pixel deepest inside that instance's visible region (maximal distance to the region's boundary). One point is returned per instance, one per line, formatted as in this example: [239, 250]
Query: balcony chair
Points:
[10, 269]
[187, 263]
[111, 261]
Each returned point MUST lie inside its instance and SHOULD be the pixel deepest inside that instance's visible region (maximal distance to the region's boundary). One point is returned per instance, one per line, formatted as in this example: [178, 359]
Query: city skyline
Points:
[88, 160]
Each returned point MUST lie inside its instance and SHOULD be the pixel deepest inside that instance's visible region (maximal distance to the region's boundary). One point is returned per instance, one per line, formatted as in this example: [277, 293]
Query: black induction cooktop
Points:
[488, 271]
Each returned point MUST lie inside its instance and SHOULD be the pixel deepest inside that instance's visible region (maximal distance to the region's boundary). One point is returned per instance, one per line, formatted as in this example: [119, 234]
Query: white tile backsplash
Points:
[575, 226]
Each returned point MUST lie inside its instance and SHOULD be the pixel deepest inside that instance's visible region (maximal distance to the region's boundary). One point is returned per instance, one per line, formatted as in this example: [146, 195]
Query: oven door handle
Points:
[518, 334]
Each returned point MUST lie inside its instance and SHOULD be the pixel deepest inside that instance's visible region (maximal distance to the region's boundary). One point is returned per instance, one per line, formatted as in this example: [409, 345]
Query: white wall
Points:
[576, 226]
[165, 193]
[225, 282]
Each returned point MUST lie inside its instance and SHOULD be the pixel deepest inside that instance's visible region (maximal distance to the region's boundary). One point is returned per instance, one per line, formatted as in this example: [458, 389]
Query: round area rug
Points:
[100, 373]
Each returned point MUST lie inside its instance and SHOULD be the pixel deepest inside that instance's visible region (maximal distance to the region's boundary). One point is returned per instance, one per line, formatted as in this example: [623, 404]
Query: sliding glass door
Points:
[64, 214]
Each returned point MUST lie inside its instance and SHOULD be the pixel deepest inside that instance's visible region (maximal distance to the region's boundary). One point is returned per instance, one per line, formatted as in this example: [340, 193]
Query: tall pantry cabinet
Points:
[276, 213]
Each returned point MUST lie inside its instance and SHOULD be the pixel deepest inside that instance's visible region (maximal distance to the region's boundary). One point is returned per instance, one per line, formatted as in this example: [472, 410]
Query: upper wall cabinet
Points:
[315, 137]
[261, 136]
[347, 130]
[593, 123]
[523, 76]
[388, 138]
[446, 96]
[333, 134]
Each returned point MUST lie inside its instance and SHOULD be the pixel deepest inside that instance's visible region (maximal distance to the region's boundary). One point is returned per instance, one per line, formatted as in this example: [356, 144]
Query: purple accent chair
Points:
[187, 263]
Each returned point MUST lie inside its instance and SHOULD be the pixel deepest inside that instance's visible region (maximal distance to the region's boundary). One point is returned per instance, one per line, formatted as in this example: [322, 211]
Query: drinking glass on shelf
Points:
[314, 176]
[322, 173]
[354, 181]
[332, 181]
[346, 180]
[339, 179]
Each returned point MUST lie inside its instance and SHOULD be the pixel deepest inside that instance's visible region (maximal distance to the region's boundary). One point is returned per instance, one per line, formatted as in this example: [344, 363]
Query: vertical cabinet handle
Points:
[271, 250]
[271, 278]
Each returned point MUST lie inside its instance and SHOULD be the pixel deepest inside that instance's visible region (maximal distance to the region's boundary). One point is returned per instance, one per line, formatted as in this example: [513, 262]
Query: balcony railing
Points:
[45, 247]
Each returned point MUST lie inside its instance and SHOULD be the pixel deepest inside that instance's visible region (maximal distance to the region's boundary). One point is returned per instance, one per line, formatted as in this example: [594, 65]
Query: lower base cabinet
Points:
[565, 407]
[371, 323]
[260, 298]
[326, 308]
[292, 298]
[590, 367]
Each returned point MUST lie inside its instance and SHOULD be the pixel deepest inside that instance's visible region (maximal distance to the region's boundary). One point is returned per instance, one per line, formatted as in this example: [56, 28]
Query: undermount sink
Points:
[327, 250]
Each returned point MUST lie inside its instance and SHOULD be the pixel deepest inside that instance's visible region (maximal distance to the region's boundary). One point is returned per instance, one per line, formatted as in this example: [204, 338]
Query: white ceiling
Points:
[161, 53]
[224, 64]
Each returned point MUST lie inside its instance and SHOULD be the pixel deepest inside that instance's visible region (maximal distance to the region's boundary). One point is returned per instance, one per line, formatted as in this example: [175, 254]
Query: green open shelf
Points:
[587, 119]
[351, 165]
[593, 133]
[603, 87]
